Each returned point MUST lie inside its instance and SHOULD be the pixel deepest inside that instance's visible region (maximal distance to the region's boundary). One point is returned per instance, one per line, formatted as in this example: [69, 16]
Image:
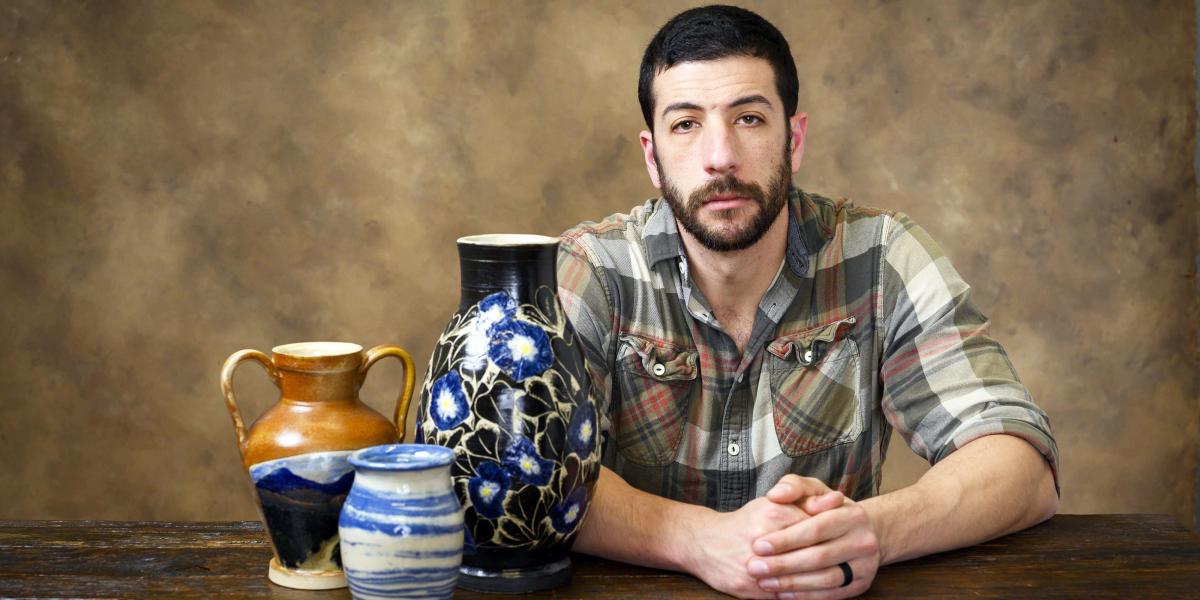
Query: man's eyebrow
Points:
[751, 99]
[679, 106]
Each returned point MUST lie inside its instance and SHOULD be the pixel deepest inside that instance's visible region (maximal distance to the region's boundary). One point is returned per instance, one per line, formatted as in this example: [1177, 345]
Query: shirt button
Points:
[659, 369]
[734, 449]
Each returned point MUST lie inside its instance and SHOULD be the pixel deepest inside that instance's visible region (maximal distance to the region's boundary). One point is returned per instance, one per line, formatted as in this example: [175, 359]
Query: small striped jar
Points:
[402, 525]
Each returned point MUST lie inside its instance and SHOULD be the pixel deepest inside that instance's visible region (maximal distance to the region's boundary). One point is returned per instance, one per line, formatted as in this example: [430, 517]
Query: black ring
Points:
[847, 573]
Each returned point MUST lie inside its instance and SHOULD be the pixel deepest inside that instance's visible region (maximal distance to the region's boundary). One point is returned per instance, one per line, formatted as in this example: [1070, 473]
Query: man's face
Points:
[722, 151]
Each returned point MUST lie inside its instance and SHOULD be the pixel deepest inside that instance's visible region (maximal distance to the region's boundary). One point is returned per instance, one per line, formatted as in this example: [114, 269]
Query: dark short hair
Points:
[711, 33]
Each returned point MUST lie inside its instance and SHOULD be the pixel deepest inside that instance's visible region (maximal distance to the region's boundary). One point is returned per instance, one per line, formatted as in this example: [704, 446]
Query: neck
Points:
[737, 279]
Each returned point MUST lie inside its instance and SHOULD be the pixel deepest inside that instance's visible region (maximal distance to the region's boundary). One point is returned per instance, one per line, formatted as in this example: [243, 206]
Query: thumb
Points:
[791, 489]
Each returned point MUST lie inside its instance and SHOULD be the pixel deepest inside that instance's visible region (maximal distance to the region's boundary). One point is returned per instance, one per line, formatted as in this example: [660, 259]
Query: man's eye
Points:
[684, 126]
[750, 120]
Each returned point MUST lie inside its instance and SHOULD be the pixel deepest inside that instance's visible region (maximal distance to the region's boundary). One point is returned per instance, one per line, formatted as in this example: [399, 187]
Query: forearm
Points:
[632, 526]
[993, 486]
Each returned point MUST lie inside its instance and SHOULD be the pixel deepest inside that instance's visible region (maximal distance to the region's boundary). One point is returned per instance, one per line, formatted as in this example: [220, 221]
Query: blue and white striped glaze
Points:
[402, 525]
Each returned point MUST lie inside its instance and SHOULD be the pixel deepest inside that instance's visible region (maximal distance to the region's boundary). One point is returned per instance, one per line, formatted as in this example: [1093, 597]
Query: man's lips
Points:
[725, 202]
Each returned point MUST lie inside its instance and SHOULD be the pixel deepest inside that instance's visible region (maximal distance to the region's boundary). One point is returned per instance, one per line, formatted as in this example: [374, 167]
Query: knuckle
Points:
[757, 531]
[870, 545]
[860, 515]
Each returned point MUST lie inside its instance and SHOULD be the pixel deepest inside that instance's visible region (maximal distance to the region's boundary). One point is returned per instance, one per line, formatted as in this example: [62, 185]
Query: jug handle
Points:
[374, 354]
[231, 364]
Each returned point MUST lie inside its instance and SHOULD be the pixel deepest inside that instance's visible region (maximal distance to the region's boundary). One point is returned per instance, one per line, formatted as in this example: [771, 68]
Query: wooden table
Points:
[1070, 556]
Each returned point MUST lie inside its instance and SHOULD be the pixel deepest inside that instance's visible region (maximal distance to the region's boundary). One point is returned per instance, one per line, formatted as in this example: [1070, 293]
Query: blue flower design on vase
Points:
[449, 405]
[488, 489]
[520, 349]
[581, 433]
[566, 515]
[523, 462]
[493, 309]
[527, 446]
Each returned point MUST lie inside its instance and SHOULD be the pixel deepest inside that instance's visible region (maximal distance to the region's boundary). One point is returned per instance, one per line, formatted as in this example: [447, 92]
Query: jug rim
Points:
[317, 349]
[402, 457]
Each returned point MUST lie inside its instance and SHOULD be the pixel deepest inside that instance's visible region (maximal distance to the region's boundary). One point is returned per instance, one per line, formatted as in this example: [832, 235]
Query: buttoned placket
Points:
[736, 473]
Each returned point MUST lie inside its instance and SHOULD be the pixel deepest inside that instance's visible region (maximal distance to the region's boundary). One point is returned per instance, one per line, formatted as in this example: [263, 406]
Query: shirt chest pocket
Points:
[657, 382]
[815, 388]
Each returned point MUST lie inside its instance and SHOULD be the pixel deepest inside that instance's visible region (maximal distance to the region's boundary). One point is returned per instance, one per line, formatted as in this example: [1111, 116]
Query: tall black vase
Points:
[507, 390]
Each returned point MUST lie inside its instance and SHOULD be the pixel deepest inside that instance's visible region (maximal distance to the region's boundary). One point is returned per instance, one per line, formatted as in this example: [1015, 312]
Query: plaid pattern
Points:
[867, 328]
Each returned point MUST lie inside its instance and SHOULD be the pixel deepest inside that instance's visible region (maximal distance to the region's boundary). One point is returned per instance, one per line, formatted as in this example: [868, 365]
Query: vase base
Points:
[305, 580]
[515, 581]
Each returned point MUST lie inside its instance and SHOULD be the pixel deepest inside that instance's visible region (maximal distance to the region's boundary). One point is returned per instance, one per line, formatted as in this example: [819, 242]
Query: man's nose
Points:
[720, 150]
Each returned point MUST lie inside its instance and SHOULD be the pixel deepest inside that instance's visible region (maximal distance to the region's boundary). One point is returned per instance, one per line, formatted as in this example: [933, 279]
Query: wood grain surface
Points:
[1070, 556]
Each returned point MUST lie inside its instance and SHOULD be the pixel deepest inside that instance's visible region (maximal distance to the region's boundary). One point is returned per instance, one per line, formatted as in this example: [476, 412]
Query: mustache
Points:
[725, 185]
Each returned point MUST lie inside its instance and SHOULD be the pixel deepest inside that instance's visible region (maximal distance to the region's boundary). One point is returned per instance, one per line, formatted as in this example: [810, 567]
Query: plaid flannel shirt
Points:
[866, 328]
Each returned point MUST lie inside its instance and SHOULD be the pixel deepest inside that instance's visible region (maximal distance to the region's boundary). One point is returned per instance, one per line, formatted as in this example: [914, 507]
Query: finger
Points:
[822, 579]
[792, 488]
[807, 560]
[819, 528]
[819, 504]
[826, 583]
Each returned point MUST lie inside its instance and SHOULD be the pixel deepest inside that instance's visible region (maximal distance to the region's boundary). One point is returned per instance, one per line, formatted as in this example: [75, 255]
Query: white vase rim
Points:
[402, 457]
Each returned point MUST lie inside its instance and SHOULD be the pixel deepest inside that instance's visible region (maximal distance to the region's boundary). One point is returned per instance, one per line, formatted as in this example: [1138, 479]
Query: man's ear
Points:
[799, 123]
[647, 140]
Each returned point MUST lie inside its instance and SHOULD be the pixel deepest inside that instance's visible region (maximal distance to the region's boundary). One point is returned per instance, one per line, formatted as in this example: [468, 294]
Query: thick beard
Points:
[769, 203]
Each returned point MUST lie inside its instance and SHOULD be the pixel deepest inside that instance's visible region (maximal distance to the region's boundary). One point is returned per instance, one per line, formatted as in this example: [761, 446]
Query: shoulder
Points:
[854, 229]
[611, 236]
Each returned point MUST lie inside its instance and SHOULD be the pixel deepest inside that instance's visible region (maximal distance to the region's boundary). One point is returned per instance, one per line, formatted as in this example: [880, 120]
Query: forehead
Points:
[715, 83]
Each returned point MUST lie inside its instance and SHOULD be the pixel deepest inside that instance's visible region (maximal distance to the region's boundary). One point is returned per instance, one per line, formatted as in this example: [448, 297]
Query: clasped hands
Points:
[788, 545]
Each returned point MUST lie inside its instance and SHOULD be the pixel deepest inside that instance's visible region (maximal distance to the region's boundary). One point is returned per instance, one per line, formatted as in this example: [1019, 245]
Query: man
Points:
[752, 347]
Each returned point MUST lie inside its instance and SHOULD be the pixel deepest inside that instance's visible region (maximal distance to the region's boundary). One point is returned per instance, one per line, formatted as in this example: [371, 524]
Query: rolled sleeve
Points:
[585, 299]
[946, 382]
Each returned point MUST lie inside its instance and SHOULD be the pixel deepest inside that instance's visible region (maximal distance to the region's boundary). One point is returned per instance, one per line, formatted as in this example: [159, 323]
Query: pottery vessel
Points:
[296, 452]
[507, 390]
[402, 525]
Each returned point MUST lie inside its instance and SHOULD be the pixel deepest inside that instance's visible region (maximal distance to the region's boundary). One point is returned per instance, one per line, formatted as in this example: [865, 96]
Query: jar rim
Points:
[508, 239]
[402, 457]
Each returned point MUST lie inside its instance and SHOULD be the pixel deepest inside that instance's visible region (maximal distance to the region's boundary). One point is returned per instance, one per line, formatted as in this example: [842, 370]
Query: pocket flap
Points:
[808, 346]
[660, 361]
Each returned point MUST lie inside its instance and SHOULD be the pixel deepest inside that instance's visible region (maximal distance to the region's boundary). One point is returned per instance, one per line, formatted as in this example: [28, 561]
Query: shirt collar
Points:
[809, 227]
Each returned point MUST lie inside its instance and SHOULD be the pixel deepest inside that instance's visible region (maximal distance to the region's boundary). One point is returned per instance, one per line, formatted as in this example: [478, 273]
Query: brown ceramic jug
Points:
[296, 452]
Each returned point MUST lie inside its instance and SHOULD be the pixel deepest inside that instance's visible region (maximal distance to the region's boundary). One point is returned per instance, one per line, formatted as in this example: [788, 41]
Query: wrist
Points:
[876, 516]
[687, 544]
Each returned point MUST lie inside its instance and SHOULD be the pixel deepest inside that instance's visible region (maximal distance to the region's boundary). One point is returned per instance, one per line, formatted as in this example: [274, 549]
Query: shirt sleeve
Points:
[585, 296]
[946, 382]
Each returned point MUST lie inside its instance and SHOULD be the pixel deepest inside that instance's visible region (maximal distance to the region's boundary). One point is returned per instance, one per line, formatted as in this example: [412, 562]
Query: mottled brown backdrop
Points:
[179, 180]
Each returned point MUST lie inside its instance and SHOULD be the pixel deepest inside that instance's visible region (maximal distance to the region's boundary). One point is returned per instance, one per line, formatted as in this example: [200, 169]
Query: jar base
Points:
[305, 580]
[515, 581]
